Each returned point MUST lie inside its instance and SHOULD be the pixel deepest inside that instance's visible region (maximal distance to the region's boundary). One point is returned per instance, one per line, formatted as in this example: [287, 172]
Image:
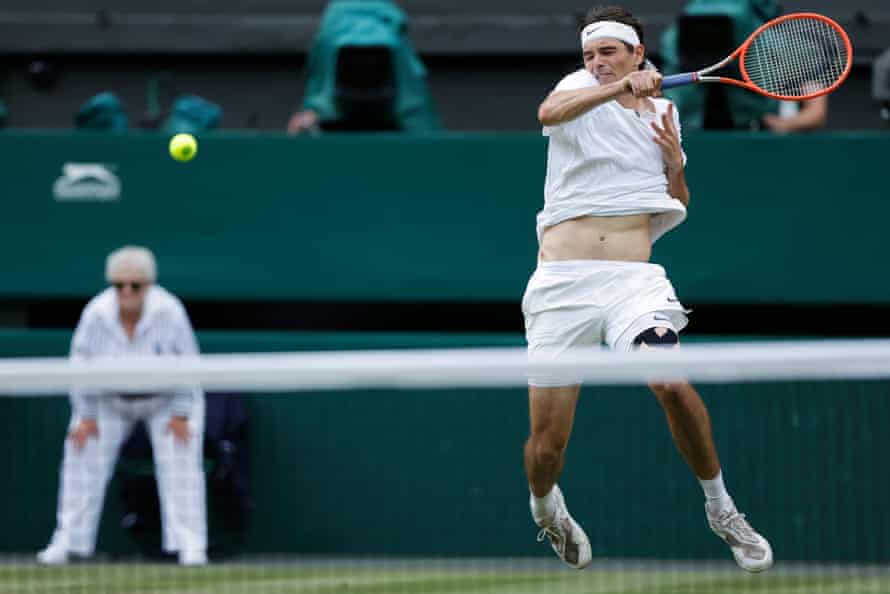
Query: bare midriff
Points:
[625, 238]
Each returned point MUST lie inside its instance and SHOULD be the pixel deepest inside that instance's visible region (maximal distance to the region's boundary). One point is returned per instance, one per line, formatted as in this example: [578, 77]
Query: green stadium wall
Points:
[448, 217]
[439, 473]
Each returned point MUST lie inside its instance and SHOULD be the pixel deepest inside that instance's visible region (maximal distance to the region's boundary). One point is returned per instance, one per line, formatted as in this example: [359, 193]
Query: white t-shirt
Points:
[605, 163]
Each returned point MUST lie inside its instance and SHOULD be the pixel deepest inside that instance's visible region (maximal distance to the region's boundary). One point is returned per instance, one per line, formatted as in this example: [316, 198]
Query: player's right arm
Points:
[564, 106]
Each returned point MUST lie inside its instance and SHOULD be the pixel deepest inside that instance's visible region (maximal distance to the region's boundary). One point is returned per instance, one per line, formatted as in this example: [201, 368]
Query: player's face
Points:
[131, 287]
[610, 60]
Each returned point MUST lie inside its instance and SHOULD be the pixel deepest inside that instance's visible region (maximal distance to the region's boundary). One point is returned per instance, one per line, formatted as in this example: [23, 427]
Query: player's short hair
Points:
[619, 14]
[132, 256]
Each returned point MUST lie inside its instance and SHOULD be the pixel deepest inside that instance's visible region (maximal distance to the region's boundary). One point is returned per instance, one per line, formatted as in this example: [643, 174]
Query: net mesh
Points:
[797, 57]
[387, 487]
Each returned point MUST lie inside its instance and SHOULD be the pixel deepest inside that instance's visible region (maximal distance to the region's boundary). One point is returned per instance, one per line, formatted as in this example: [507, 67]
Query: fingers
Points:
[295, 124]
[772, 121]
[667, 131]
[661, 133]
[79, 439]
[658, 92]
[665, 145]
[668, 126]
[645, 83]
[180, 431]
[82, 433]
[668, 119]
[643, 89]
[670, 146]
[302, 122]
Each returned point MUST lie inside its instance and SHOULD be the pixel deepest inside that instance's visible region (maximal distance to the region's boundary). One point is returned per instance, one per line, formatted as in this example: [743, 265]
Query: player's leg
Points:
[551, 415]
[181, 483]
[558, 316]
[690, 425]
[83, 478]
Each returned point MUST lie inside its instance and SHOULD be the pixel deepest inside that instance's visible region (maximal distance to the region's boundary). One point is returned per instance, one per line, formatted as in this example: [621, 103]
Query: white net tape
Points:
[496, 367]
[796, 57]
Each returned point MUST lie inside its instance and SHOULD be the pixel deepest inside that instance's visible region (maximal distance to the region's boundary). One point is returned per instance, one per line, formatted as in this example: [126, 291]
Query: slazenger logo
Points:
[87, 181]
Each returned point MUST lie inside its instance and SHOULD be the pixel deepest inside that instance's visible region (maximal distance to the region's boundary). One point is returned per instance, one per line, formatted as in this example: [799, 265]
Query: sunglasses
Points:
[136, 286]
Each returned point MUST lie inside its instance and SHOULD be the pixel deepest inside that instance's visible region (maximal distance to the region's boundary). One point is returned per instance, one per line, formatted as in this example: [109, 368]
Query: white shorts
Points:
[575, 303]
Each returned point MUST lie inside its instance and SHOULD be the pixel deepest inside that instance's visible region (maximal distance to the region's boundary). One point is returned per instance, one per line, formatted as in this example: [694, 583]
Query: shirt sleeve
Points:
[84, 345]
[580, 79]
[184, 344]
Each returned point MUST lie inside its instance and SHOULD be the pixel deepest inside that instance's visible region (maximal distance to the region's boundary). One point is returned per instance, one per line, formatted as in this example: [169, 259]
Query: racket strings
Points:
[797, 57]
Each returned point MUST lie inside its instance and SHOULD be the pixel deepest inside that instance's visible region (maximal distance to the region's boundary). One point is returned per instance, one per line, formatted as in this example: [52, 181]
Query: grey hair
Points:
[132, 255]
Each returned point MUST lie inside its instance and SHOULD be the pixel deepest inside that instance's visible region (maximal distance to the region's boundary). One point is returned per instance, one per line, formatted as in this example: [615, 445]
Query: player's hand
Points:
[85, 429]
[643, 83]
[667, 137]
[179, 427]
[302, 122]
[775, 123]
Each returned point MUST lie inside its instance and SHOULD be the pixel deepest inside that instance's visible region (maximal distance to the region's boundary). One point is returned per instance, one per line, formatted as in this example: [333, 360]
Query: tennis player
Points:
[614, 185]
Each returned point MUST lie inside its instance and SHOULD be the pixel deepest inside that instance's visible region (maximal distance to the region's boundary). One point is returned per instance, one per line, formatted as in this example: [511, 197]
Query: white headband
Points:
[612, 29]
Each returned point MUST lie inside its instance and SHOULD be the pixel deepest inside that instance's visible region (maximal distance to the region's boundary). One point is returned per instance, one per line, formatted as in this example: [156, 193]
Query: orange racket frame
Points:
[700, 76]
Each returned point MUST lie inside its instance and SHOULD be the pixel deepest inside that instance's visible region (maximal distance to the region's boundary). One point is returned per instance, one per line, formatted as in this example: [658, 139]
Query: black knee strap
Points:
[651, 337]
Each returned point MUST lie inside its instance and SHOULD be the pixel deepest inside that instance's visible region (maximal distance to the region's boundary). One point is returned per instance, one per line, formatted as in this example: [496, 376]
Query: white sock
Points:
[715, 492]
[544, 508]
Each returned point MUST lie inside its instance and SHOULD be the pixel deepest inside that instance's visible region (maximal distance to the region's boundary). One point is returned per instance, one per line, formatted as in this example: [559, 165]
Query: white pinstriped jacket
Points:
[163, 329]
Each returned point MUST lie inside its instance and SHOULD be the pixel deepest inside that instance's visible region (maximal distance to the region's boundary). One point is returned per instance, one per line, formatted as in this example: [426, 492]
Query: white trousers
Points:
[179, 471]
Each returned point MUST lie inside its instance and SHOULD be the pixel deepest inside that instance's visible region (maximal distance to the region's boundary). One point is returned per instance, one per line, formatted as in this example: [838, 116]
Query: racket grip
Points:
[678, 80]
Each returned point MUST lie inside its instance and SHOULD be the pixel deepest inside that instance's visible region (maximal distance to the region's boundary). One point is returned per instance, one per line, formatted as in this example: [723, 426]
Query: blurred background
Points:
[487, 63]
[367, 177]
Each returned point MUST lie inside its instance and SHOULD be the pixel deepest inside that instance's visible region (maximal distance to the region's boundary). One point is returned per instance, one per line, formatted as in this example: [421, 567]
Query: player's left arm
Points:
[667, 136]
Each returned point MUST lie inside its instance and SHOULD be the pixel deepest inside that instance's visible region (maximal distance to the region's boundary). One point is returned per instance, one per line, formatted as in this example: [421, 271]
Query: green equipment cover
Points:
[364, 24]
[746, 108]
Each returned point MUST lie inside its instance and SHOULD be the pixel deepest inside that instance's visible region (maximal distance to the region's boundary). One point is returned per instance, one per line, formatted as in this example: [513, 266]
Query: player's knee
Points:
[671, 394]
[548, 456]
[657, 337]
[661, 391]
[547, 449]
[666, 396]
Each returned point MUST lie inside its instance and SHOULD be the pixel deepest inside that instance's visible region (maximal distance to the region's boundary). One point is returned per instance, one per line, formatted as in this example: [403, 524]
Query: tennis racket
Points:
[794, 57]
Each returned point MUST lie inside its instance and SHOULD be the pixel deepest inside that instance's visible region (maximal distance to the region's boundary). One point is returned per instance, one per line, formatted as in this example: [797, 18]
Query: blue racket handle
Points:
[678, 80]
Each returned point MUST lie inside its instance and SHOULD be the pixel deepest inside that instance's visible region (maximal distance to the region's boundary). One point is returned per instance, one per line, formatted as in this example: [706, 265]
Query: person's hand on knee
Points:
[85, 429]
[179, 427]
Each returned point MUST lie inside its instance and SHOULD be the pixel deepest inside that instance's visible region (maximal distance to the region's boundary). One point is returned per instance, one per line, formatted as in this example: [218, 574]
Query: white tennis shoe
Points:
[752, 552]
[53, 555]
[566, 536]
[193, 558]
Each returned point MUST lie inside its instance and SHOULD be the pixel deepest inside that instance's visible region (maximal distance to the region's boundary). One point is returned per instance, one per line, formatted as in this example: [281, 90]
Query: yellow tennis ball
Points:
[183, 147]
